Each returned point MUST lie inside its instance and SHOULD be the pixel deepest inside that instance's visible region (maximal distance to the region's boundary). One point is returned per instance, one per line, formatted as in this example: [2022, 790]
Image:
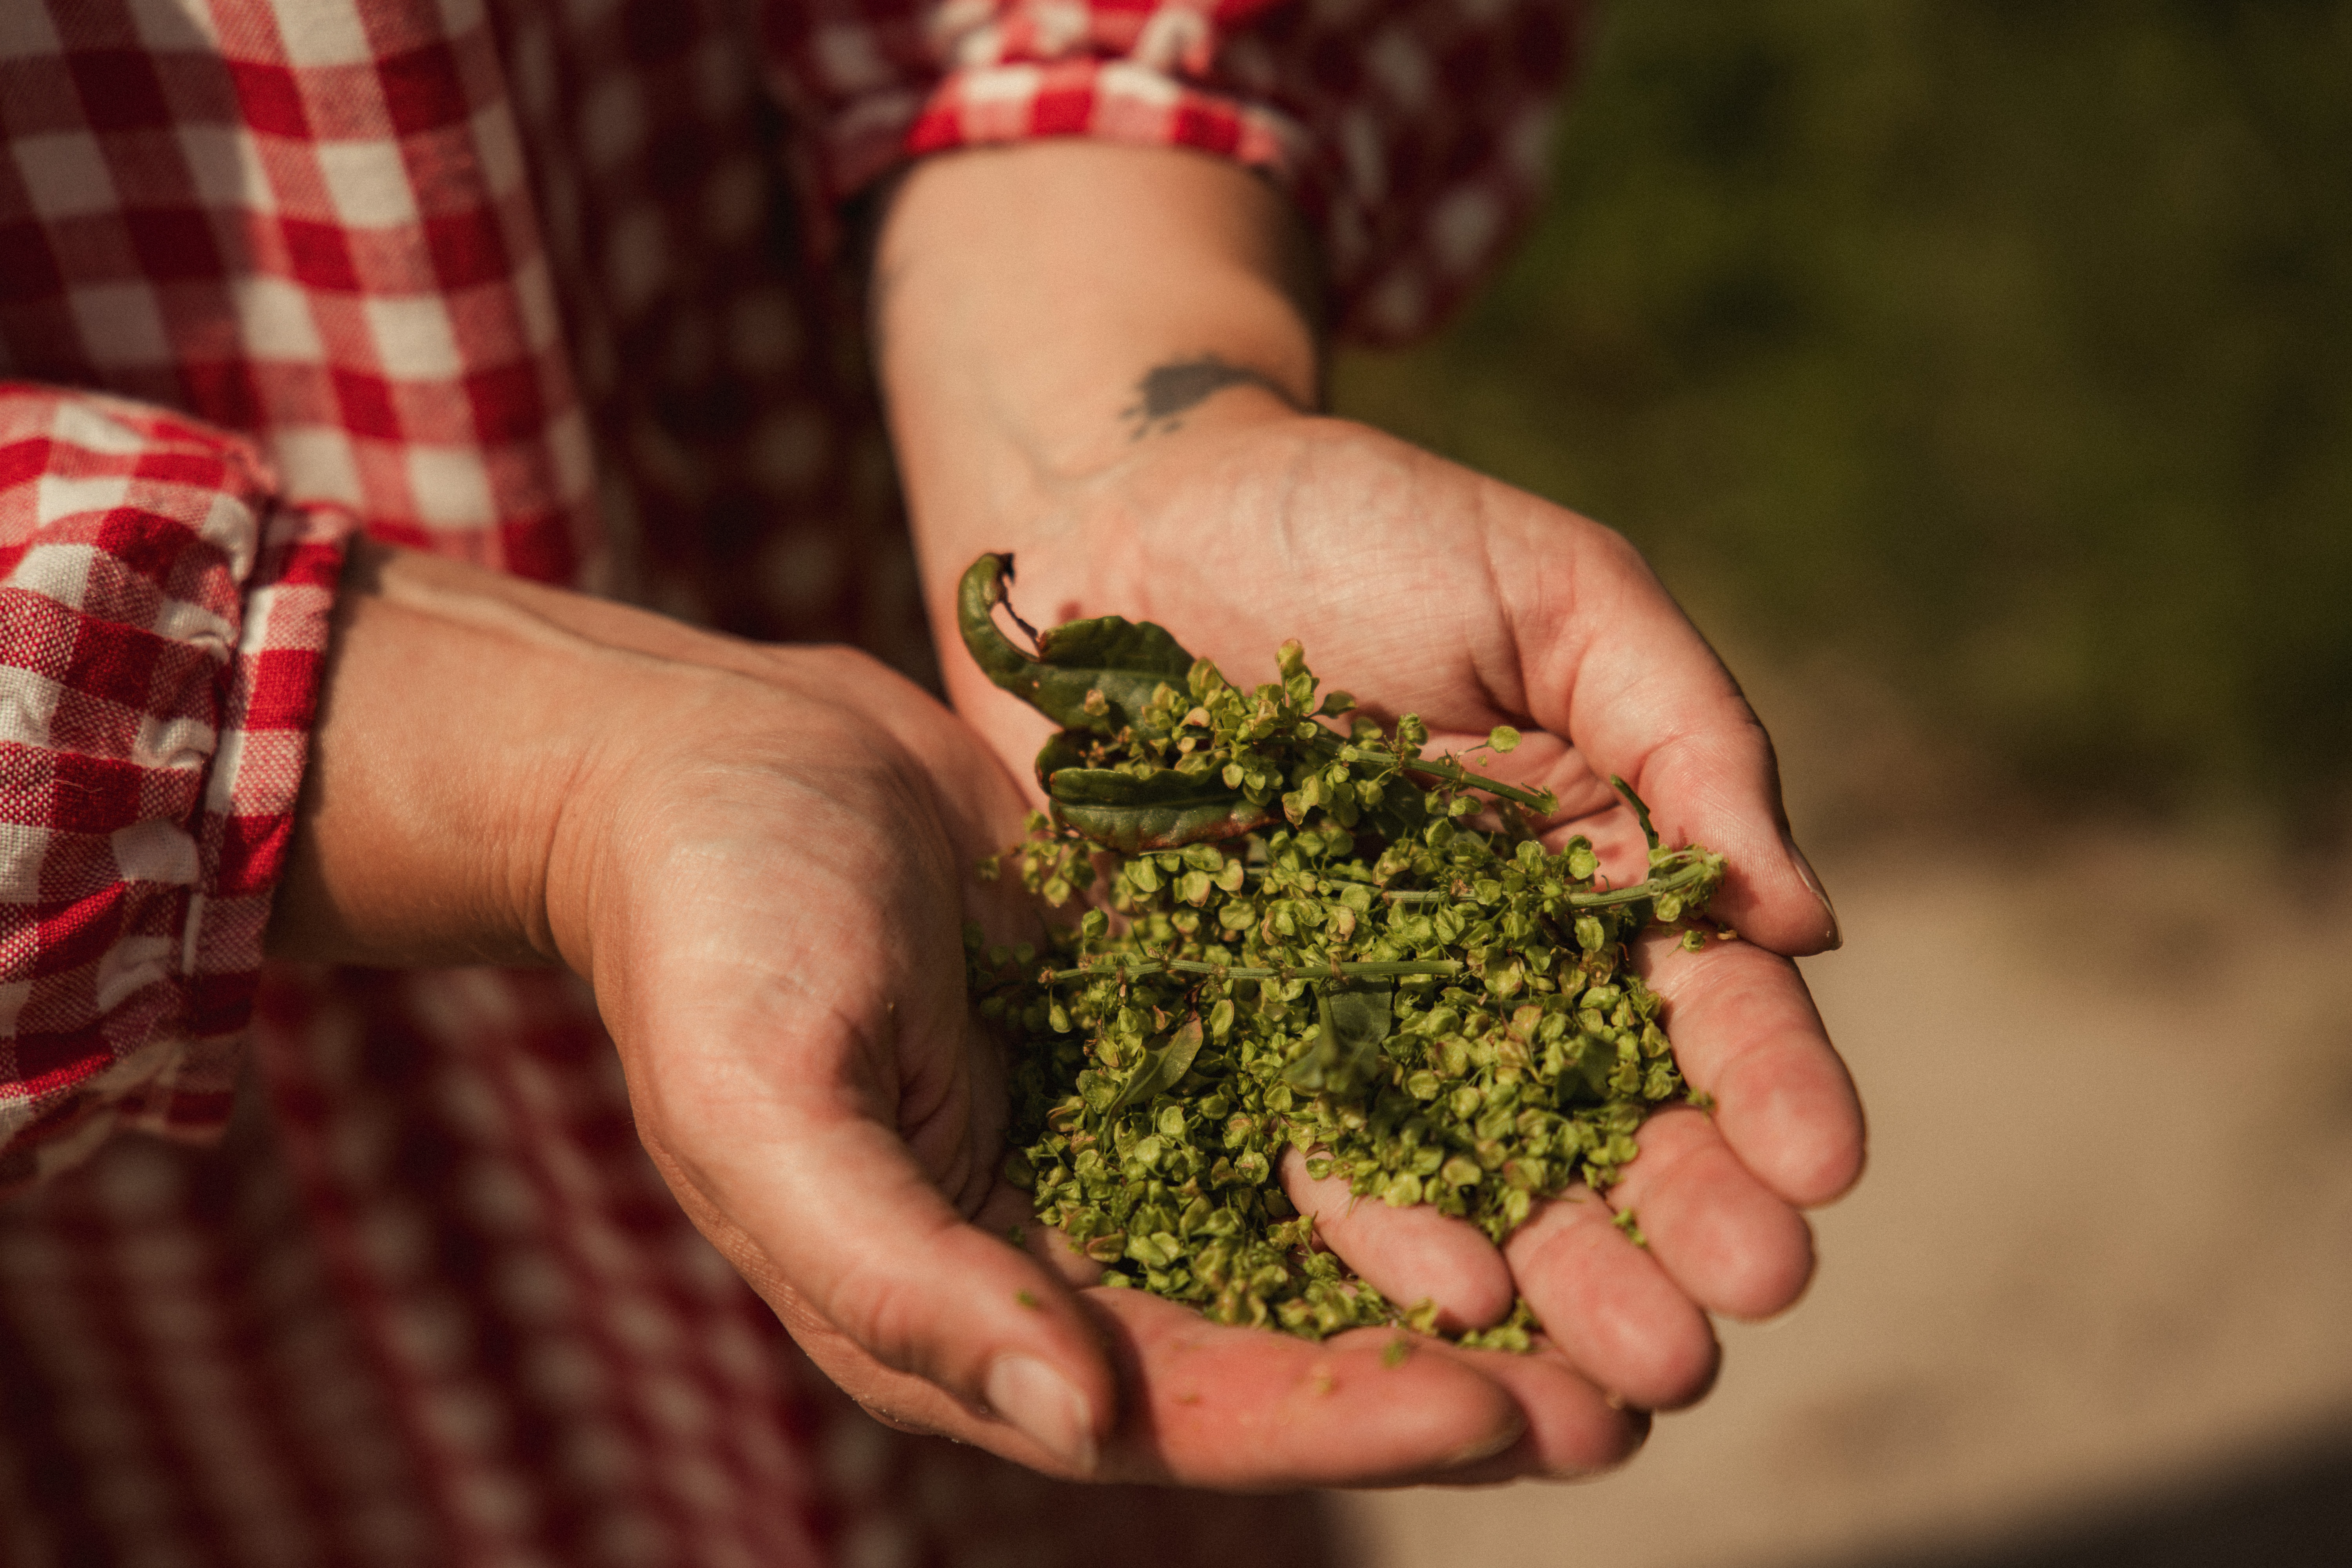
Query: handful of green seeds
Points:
[1301, 937]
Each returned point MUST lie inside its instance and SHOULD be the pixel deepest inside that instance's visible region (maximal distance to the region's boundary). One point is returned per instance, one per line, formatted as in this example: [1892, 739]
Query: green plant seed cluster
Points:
[1438, 1012]
[1301, 940]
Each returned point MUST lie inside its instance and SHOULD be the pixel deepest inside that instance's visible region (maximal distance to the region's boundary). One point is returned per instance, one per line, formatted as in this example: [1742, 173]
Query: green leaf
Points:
[1503, 738]
[1163, 810]
[1346, 1055]
[1063, 749]
[1118, 662]
[1164, 1065]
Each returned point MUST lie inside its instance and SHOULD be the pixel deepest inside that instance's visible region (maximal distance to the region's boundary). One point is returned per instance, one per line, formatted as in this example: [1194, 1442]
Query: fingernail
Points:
[1032, 1396]
[1486, 1448]
[1812, 880]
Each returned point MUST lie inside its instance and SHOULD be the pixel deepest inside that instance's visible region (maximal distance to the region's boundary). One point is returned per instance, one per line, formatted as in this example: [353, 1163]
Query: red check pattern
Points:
[1412, 133]
[551, 287]
[163, 619]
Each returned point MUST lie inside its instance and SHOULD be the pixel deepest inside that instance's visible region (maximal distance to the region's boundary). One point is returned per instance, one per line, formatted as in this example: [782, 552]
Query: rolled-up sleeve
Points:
[1412, 132]
[163, 625]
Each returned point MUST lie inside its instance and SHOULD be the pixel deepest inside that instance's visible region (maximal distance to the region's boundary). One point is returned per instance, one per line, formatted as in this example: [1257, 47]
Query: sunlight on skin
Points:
[1409, 1254]
[1210, 1405]
[1746, 1031]
[1610, 1306]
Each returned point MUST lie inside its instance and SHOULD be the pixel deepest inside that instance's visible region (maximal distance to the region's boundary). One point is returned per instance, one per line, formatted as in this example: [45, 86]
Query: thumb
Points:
[827, 1215]
[1617, 667]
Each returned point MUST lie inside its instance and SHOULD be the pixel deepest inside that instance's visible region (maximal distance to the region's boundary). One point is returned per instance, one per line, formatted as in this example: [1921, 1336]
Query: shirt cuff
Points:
[164, 622]
[1410, 133]
[1111, 101]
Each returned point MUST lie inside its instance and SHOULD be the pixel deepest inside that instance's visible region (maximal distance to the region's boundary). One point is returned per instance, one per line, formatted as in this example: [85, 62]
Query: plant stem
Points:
[1674, 881]
[1448, 768]
[1149, 966]
[1541, 802]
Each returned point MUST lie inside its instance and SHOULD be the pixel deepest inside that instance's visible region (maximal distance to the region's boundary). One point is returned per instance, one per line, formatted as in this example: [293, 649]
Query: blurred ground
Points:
[1982, 373]
[2092, 1303]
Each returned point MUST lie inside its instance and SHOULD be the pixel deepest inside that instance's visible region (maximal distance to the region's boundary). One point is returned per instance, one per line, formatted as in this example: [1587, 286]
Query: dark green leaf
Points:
[1124, 660]
[1164, 1065]
[1064, 750]
[1363, 1013]
[1163, 810]
[1347, 1054]
[1116, 786]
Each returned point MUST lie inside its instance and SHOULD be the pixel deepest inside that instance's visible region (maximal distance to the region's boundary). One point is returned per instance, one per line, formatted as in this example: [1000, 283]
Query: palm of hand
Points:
[1431, 589]
[1421, 585]
[781, 962]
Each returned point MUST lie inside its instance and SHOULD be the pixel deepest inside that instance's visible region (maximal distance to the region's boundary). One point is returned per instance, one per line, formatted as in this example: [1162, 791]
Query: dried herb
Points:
[1300, 936]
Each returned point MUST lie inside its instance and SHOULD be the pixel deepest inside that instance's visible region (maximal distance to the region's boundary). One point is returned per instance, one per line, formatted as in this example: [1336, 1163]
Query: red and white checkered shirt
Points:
[545, 284]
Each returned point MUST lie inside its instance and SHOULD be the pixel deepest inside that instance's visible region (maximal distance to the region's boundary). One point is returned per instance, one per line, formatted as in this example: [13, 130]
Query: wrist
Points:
[468, 726]
[1044, 311]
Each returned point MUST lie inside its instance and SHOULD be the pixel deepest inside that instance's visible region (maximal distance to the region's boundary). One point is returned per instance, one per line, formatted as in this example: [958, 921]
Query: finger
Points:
[841, 1232]
[1249, 1407]
[1609, 1305]
[1573, 1431]
[1731, 1245]
[1746, 1032]
[1235, 1407]
[1612, 663]
[1409, 1254]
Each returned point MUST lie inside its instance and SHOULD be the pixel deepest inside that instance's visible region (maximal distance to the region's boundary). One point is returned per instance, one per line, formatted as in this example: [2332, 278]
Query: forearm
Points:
[1043, 308]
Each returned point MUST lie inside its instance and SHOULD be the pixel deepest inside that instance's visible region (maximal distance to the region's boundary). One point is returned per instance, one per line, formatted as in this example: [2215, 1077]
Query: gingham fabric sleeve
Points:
[162, 632]
[1412, 132]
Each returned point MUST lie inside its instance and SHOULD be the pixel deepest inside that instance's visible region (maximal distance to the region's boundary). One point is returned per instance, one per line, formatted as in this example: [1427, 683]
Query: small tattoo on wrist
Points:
[1167, 393]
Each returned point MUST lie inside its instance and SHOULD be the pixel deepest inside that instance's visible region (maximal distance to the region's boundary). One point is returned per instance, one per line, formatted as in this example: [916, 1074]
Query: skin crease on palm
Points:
[761, 860]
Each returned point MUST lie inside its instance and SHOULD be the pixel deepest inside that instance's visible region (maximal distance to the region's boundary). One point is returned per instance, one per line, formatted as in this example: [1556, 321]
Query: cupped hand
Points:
[1421, 586]
[767, 890]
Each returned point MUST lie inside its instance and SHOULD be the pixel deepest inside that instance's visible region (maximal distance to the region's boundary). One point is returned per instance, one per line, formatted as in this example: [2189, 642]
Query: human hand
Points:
[1104, 376]
[762, 859]
[1448, 595]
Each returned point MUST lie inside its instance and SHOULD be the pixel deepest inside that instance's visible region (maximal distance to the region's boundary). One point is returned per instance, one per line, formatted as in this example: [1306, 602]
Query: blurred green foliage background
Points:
[2002, 349]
